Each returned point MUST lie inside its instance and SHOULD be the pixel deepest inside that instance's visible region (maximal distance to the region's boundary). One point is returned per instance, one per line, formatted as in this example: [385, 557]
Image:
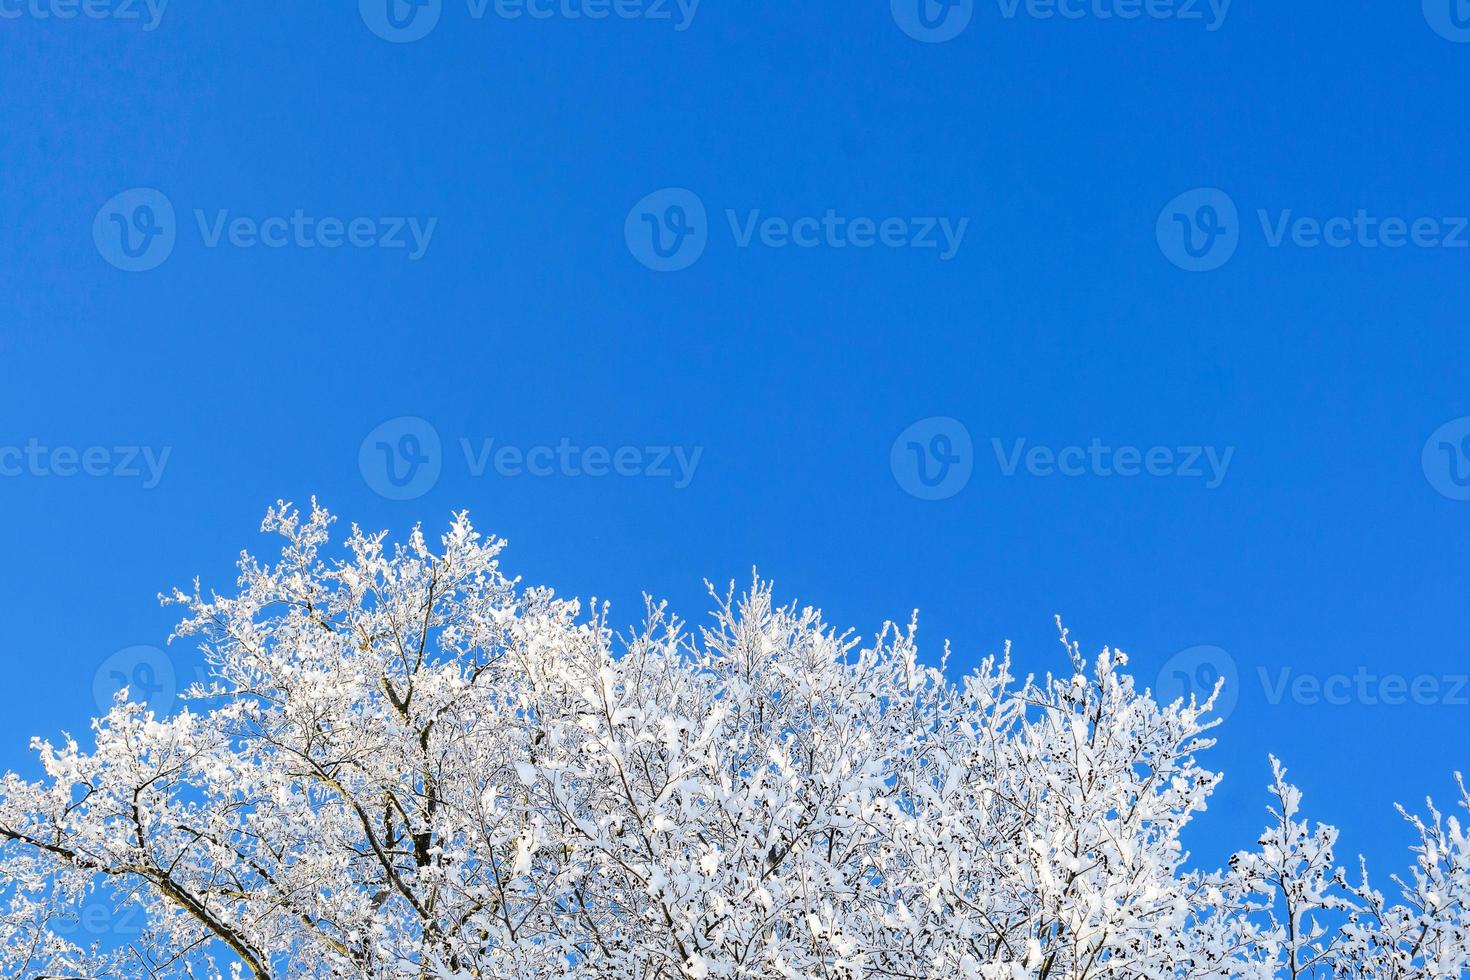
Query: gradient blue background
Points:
[528, 321]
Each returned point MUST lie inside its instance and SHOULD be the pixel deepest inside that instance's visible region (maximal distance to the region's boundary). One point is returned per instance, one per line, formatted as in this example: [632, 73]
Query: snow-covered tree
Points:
[405, 765]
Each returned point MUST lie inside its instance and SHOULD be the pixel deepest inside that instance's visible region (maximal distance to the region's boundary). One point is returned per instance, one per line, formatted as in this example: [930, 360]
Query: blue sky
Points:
[1151, 315]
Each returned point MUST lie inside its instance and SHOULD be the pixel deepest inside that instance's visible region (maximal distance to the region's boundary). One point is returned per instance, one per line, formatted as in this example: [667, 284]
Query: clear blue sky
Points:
[1066, 158]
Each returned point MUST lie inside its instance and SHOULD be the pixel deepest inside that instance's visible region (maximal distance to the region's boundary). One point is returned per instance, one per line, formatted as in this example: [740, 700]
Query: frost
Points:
[409, 768]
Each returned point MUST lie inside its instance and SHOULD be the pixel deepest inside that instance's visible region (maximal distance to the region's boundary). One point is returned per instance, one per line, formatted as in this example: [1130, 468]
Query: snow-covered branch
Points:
[407, 766]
